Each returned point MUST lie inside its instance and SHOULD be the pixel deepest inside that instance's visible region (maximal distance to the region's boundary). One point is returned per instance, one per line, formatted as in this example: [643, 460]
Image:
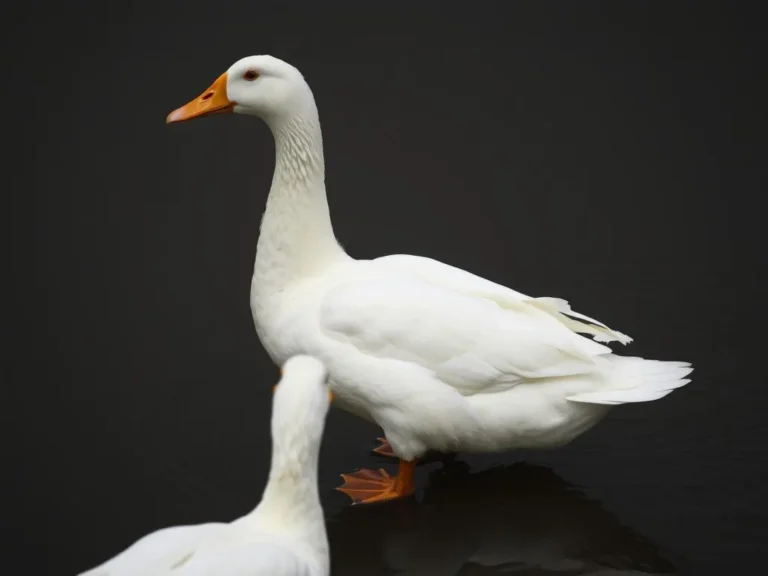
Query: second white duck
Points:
[285, 534]
[440, 358]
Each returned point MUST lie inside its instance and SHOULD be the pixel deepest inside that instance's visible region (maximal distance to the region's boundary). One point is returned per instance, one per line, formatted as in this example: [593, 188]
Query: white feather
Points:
[637, 380]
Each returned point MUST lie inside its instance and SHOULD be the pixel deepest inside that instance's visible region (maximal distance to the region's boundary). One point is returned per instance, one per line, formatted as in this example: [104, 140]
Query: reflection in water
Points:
[520, 519]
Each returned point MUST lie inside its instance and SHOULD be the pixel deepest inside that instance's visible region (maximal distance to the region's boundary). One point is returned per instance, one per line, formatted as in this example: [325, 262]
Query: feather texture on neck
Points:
[296, 238]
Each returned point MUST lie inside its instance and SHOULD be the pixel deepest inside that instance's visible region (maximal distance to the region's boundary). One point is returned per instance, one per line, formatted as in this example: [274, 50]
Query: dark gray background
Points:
[605, 153]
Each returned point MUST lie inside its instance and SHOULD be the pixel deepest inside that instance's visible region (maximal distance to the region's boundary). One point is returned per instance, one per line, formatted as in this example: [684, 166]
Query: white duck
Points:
[285, 534]
[440, 358]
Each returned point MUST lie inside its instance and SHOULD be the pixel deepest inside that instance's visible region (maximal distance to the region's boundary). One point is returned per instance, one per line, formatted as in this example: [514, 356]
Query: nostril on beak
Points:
[208, 96]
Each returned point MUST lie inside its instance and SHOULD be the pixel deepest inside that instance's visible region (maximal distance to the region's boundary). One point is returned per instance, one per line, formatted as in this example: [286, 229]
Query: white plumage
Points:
[285, 534]
[439, 357]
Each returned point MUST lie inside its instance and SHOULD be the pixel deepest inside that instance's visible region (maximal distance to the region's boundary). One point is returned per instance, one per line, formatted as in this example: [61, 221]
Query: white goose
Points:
[285, 534]
[440, 358]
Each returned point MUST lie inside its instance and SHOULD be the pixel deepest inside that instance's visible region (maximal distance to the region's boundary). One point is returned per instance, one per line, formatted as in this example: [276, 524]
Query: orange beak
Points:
[212, 101]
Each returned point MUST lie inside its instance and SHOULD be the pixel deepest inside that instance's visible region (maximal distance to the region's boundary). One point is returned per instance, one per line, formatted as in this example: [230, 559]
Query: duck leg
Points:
[385, 449]
[368, 486]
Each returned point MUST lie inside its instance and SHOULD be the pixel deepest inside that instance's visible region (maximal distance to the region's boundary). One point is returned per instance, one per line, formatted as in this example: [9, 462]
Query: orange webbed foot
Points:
[370, 486]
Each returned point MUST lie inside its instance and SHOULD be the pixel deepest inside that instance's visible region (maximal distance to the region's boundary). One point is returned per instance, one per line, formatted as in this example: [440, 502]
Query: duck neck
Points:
[293, 475]
[296, 238]
[291, 501]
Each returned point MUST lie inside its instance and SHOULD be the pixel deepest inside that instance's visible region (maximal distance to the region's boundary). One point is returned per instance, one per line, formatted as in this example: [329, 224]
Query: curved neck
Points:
[296, 238]
[291, 488]
[292, 483]
[290, 503]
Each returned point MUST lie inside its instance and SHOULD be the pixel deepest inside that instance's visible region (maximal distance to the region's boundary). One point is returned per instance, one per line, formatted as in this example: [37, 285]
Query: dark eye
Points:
[251, 75]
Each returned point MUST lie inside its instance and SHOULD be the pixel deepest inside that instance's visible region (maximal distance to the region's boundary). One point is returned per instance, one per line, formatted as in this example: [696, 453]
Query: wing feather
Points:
[447, 276]
[471, 343]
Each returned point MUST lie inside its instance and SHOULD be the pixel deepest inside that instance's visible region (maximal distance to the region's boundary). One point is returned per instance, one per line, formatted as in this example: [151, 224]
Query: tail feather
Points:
[632, 379]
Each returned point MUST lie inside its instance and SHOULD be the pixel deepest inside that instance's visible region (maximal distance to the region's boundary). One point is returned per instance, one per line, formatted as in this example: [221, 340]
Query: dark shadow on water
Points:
[520, 519]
